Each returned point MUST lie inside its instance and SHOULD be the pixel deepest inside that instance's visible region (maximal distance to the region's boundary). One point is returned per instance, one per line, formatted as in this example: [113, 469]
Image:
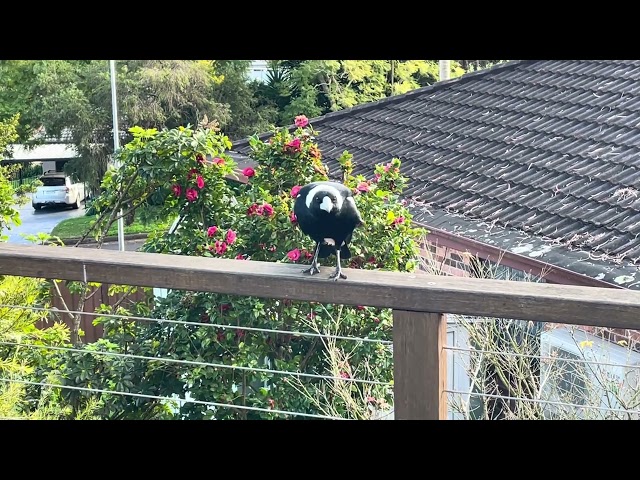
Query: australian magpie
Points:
[327, 212]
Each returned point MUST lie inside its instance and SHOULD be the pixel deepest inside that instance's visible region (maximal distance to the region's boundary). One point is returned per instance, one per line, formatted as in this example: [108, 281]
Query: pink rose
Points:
[267, 209]
[220, 247]
[200, 158]
[192, 194]
[218, 161]
[295, 190]
[211, 231]
[248, 172]
[398, 220]
[177, 190]
[294, 145]
[301, 121]
[200, 182]
[254, 210]
[240, 256]
[231, 236]
[293, 217]
[363, 187]
[294, 255]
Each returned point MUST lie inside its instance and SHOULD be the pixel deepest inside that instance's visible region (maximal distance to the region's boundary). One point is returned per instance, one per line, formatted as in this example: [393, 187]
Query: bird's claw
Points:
[337, 274]
[311, 270]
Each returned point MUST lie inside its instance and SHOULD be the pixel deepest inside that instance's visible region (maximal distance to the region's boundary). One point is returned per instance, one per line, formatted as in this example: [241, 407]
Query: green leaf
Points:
[390, 216]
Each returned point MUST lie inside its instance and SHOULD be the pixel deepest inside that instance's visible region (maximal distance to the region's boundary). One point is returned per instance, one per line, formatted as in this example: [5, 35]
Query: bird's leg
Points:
[338, 272]
[314, 263]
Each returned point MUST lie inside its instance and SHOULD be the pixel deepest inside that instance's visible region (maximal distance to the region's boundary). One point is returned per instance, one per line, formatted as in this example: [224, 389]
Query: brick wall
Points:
[444, 260]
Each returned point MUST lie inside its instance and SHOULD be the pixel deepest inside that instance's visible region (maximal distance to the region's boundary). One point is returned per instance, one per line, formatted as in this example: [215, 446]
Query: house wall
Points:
[48, 165]
[444, 260]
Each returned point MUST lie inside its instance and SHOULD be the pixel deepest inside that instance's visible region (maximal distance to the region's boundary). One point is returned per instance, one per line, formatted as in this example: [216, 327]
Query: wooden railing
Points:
[419, 302]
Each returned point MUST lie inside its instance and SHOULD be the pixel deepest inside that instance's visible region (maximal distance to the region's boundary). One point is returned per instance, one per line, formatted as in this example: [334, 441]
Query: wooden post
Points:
[419, 365]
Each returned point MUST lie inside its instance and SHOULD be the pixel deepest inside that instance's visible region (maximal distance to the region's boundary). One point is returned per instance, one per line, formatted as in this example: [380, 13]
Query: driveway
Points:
[41, 221]
[129, 245]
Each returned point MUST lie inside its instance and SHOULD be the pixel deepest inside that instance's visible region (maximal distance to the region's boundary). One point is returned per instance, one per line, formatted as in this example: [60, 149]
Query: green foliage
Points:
[321, 86]
[30, 361]
[248, 222]
[75, 96]
[16, 95]
[156, 161]
[8, 214]
[247, 114]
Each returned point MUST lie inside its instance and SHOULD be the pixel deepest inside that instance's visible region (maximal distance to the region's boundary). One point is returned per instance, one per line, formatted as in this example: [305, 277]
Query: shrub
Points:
[253, 222]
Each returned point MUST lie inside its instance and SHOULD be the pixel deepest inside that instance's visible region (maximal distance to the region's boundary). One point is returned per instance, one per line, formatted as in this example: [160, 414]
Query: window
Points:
[53, 181]
[570, 378]
[582, 369]
[482, 268]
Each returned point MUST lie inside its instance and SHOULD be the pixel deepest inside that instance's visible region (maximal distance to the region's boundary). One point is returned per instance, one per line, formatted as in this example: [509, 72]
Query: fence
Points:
[23, 181]
[420, 302]
[66, 300]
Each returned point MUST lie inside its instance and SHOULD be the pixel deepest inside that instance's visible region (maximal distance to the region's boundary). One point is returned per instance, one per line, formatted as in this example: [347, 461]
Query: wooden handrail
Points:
[567, 304]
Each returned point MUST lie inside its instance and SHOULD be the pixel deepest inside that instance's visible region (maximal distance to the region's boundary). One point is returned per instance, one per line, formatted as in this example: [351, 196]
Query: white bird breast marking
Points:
[331, 242]
[323, 188]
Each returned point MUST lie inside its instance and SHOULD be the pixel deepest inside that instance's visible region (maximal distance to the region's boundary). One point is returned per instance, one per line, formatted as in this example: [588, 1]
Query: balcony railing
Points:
[420, 302]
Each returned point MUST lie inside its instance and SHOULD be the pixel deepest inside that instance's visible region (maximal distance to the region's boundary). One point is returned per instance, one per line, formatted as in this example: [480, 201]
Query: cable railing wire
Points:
[157, 397]
[198, 364]
[541, 357]
[233, 327]
[549, 402]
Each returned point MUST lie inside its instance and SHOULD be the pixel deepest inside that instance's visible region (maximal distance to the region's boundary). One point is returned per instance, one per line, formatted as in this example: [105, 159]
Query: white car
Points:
[57, 189]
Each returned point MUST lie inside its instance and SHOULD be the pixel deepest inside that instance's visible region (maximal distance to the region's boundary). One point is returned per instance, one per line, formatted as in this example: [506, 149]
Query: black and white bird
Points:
[327, 212]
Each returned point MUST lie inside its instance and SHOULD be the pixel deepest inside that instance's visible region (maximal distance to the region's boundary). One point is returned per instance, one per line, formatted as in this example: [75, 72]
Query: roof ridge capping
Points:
[395, 98]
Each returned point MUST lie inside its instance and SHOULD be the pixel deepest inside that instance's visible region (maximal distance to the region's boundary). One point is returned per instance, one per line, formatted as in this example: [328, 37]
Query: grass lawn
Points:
[76, 227]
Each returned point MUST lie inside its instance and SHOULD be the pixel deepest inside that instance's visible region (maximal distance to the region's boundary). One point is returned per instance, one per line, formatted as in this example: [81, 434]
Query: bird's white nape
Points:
[323, 188]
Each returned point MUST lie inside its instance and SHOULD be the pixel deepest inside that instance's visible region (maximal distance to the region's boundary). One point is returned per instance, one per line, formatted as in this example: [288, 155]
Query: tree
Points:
[321, 86]
[247, 115]
[75, 96]
[9, 196]
[16, 95]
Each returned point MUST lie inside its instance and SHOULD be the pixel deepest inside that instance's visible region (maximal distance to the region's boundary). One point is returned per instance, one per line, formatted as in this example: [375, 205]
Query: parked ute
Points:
[57, 189]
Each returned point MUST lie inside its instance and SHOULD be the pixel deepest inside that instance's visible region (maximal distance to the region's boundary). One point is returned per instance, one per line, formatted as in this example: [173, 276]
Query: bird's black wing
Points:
[349, 207]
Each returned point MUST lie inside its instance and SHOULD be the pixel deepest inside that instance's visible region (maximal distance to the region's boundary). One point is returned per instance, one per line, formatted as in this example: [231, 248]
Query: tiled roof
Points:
[547, 147]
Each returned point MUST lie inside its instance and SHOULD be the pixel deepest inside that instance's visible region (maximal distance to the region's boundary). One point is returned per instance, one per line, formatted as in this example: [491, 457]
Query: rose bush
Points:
[220, 218]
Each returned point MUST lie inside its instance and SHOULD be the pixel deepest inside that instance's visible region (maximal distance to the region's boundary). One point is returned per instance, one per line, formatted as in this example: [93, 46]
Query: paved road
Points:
[45, 219]
[41, 221]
